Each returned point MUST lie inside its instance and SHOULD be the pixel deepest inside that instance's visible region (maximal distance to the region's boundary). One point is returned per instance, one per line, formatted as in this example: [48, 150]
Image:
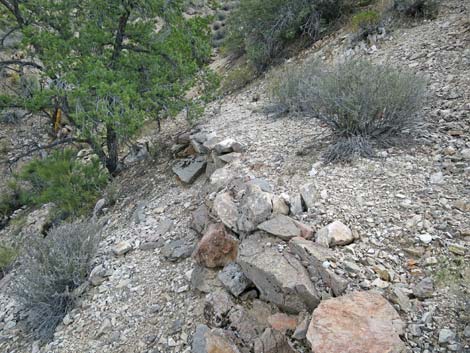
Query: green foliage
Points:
[72, 185]
[238, 78]
[262, 29]
[113, 64]
[417, 8]
[359, 101]
[52, 268]
[365, 22]
[7, 256]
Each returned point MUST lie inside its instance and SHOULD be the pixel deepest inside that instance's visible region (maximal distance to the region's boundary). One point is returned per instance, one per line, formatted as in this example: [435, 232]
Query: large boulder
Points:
[226, 209]
[360, 322]
[255, 208]
[280, 278]
[217, 247]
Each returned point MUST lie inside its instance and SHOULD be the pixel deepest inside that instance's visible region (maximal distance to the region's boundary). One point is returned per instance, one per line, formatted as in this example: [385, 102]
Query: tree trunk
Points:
[112, 160]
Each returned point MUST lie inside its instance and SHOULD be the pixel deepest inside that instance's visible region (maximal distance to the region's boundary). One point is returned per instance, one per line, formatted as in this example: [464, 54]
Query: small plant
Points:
[417, 8]
[51, 268]
[72, 185]
[238, 78]
[365, 23]
[7, 256]
[360, 102]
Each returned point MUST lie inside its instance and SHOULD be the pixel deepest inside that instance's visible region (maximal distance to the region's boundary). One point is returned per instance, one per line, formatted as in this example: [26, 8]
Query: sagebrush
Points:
[261, 29]
[51, 269]
[359, 101]
[417, 8]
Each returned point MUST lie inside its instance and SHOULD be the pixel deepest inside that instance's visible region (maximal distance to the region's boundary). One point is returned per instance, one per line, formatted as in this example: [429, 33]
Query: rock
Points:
[189, 169]
[255, 208]
[183, 138]
[177, 249]
[199, 147]
[309, 195]
[282, 322]
[333, 234]
[362, 322]
[221, 178]
[97, 275]
[305, 231]
[224, 207]
[200, 219]
[315, 255]
[425, 238]
[398, 296]
[465, 153]
[446, 335]
[38, 221]
[300, 332]
[233, 279]
[272, 342]
[205, 279]
[163, 227]
[217, 247]
[121, 248]
[211, 341]
[280, 206]
[262, 183]
[280, 278]
[280, 226]
[437, 178]
[250, 323]
[466, 331]
[457, 249]
[139, 213]
[424, 289]
[296, 205]
[100, 204]
[230, 157]
[225, 146]
[216, 308]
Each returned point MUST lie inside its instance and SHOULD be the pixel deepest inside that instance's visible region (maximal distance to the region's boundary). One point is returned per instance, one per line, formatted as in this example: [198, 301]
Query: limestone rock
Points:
[280, 278]
[224, 207]
[217, 247]
[360, 322]
[255, 208]
[233, 279]
[281, 226]
[335, 233]
[189, 169]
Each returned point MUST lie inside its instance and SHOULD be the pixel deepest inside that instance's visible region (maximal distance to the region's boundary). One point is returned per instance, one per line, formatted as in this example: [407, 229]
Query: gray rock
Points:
[121, 248]
[315, 255]
[221, 178]
[198, 147]
[177, 249]
[250, 323]
[139, 213]
[446, 335]
[262, 183]
[466, 331]
[227, 146]
[163, 227]
[424, 289]
[280, 206]
[212, 341]
[309, 195]
[205, 279]
[437, 178]
[199, 339]
[301, 330]
[255, 208]
[216, 308]
[230, 157]
[100, 204]
[296, 205]
[97, 275]
[189, 169]
[272, 342]
[280, 278]
[224, 207]
[281, 226]
[200, 219]
[233, 279]
[333, 234]
[398, 296]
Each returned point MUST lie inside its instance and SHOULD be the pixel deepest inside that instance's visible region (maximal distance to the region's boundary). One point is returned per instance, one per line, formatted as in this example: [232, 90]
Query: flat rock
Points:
[217, 247]
[272, 342]
[280, 278]
[177, 249]
[200, 219]
[206, 340]
[281, 226]
[333, 234]
[424, 288]
[189, 169]
[221, 177]
[122, 248]
[283, 322]
[205, 279]
[359, 322]
[225, 208]
[233, 279]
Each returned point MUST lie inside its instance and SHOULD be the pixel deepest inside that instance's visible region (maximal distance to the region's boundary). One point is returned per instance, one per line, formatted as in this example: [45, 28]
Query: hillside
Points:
[404, 231]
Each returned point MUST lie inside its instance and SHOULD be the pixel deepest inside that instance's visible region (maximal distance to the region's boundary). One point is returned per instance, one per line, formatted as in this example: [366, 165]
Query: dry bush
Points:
[362, 103]
[51, 269]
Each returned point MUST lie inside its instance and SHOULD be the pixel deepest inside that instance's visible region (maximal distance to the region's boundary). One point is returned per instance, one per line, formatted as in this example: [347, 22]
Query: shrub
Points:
[72, 185]
[417, 8]
[263, 28]
[365, 23]
[51, 269]
[7, 256]
[238, 78]
[359, 101]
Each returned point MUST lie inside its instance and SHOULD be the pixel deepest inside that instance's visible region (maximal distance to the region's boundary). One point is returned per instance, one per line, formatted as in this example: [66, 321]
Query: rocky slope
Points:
[405, 231]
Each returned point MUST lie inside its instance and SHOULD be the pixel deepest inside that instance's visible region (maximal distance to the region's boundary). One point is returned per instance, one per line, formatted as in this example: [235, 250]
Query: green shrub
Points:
[7, 256]
[360, 102]
[72, 185]
[417, 8]
[238, 78]
[365, 23]
[261, 29]
[51, 269]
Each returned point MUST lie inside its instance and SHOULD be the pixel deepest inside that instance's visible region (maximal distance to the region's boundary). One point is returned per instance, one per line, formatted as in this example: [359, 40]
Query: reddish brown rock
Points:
[282, 322]
[360, 322]
[217, 247]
